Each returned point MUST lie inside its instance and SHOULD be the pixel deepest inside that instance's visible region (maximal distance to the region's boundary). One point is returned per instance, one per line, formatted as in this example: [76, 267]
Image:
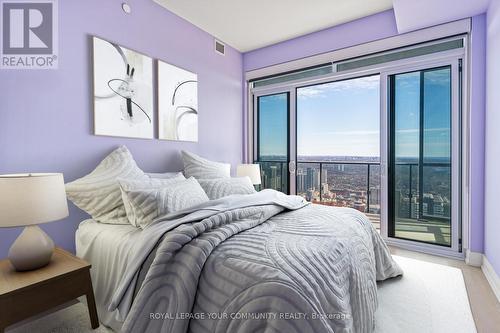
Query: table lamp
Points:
[28, 200]
[250, 170]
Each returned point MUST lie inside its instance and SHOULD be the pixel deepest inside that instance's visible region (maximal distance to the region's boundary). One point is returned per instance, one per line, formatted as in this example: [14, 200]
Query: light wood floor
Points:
[485, 306]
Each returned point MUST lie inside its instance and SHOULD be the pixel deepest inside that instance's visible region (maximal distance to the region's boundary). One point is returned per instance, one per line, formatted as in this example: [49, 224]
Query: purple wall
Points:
[46, 115]
[380, 26]
[492, 177]
[478, 108]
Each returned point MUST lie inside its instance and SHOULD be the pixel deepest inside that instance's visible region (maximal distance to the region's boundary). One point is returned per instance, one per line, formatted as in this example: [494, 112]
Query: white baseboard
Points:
[491, 276]
[473, 258]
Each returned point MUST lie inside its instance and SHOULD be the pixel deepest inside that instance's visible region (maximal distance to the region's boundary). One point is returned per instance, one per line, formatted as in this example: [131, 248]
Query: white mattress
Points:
[106, 247]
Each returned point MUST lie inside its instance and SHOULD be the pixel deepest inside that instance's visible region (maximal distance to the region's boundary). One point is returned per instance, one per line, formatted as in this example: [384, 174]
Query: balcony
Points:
[357, 185]
[342, 184]
[422, 205]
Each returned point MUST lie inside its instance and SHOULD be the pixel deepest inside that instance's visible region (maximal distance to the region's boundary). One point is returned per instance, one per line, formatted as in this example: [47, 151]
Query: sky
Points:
[340, 118]
[343, 118]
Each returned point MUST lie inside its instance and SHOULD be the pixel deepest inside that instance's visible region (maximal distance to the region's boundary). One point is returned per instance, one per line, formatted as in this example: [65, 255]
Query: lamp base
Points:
[31, 250]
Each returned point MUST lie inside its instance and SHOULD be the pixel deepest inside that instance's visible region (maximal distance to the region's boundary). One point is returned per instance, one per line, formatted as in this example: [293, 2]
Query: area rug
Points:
[429, 298]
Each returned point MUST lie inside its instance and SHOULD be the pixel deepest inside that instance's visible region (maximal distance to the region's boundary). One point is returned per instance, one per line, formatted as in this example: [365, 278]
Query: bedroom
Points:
[382, 114]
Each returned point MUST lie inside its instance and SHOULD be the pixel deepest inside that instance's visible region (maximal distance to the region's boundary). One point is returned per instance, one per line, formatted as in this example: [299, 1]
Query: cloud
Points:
[347, 133]
[321, 90]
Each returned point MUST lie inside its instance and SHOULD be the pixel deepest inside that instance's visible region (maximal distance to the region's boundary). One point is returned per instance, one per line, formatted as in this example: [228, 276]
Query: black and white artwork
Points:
[123, 91]
[177, 103]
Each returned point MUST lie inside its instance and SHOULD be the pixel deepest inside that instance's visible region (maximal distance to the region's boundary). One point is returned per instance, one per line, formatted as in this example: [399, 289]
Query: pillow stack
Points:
[200, 168]
[218, 188]
[117, 191]
[98, 193]
[145, 201]
[215, 177]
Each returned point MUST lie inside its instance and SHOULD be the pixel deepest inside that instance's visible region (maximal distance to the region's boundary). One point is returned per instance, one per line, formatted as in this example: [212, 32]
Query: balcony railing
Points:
[416, 185]
[274, 175]
[351, 183]
[341, 183]
[359, 183]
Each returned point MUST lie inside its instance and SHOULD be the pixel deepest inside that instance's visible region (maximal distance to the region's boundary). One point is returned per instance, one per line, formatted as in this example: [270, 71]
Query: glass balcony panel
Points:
[308, 181]
[274, 176]
[374, 190]
[341, 184]
[421, 192]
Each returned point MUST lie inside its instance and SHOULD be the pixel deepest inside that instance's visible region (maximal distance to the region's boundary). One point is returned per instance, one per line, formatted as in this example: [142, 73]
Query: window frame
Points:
[460, 166]
[256, 120]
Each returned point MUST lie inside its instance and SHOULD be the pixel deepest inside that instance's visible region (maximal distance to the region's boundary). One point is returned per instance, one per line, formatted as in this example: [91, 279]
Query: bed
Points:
[106, 247]
[262, 262]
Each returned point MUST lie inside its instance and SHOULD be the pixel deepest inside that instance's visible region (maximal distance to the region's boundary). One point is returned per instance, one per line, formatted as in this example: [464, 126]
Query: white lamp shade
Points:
[27, 199]
[250, 170]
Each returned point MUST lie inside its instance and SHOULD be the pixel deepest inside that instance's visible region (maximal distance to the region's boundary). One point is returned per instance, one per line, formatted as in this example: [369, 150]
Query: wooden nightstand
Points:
[24, 294]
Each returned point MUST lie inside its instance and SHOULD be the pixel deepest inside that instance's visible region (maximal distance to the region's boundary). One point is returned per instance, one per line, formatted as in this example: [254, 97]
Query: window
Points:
[338, 143]
[380, 134]
[421, 190]
[272, 155]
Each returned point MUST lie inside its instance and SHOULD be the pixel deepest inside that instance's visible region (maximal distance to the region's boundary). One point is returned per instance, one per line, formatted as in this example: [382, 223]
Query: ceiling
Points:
[252, 24]
[413, 15]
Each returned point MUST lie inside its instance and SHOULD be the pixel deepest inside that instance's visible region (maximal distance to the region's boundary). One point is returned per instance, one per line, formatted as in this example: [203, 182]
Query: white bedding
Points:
[106, 247]
[243, 253]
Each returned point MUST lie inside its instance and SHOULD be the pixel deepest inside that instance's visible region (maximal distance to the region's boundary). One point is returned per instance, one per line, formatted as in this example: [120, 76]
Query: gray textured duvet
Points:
[264, 262]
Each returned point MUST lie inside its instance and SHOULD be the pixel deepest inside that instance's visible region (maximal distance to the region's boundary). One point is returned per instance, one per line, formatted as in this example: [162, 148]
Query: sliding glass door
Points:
[384, 140]
[421, 193]
[338, 144]
[273, 140]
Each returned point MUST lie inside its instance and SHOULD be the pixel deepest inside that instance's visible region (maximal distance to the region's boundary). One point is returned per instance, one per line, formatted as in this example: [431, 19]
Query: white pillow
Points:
[201, 168]
[165, 175]
[149, 204]
[127, 185]
[218, 188]
[98, 193]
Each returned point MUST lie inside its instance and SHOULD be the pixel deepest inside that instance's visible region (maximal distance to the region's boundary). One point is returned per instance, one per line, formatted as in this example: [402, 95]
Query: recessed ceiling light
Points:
[126, 8]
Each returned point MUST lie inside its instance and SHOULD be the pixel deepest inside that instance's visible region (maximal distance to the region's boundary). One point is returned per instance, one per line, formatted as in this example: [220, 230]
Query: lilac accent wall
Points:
[380, 26]
[46, 115]
[492, 177]
[477, 115]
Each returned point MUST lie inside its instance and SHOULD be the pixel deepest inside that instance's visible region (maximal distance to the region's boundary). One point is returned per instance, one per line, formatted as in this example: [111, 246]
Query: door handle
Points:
[291, 167]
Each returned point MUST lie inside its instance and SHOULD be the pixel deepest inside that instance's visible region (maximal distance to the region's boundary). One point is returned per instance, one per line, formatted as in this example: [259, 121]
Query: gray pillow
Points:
[127, 185]
[98, 193]
[218, 188]
[149, 204]
[201, 168]
[165, 175]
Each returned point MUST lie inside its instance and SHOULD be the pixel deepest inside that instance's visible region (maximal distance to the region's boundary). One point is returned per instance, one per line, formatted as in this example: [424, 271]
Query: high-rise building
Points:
[324, 176]
[324, 188]
[428, 204]
[414, 208]
[310, 175]
[275, 182]
[438, 206]
[301, 181]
